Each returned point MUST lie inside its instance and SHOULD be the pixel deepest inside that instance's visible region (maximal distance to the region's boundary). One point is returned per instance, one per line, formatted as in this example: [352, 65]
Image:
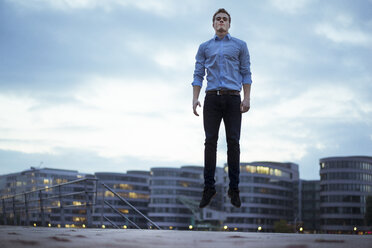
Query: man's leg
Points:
[232, 119]
[212, 117]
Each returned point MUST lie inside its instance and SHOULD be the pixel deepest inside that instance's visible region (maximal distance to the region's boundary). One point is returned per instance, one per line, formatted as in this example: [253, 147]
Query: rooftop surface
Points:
[16, 236]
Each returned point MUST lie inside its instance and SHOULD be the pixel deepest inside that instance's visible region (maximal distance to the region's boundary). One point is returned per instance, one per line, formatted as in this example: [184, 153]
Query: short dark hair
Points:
[222, 10]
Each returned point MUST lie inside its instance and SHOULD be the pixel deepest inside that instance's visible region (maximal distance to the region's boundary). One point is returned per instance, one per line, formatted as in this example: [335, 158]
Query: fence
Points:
[65, 204]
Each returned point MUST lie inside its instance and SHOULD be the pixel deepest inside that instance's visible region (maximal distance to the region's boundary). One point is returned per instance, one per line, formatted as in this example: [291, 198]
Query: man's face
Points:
[221, 23]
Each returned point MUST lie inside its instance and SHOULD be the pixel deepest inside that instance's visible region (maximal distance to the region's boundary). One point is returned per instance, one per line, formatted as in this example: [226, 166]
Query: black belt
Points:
[223, 92]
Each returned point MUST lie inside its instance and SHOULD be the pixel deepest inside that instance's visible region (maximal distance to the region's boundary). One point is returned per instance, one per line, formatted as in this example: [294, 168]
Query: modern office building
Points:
[170, 197]
[345, 183]
[40, 178]
[310, 205]
[133, 186]
[175, 195]
[170, 187]
[269, 193]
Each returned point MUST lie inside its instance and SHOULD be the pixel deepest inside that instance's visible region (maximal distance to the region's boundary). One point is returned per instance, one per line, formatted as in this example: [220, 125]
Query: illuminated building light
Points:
[124, 211]
[109, 194]
[123, 186]
[301, 229]
[171, 227]
[235, 229]
[46, 181]
[133, 195]
[83, 225]
[259, 228]
[125, 227]
[103, 226]
[185, 184]
[190, 227]
[34, 224]
[59, 225]
[225, 227]
[49, 225]
[76, 203]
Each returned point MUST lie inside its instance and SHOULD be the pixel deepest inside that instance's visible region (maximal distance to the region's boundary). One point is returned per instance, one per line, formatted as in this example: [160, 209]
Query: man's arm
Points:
[245, 105]
[195, 99]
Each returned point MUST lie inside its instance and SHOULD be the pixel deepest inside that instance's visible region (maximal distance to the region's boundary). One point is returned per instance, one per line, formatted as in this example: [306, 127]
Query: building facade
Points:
[269, 193]
[40, 204]
[170, 197]
[345, 183]
[310, 205]
[170, 189]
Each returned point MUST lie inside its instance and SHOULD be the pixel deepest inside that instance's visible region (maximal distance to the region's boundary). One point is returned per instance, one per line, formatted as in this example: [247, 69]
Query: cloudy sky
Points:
[95, 85]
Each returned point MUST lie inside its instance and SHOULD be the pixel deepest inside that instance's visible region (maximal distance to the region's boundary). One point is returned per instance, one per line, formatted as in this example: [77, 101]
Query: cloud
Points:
[113, 117]
[343, 35]
[290, 6]
[344, 28]
[163, 8]
[111, 80]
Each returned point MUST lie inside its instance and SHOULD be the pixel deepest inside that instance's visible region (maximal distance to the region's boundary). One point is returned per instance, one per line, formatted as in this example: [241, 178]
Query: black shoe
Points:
[208, 194]
[234, 195]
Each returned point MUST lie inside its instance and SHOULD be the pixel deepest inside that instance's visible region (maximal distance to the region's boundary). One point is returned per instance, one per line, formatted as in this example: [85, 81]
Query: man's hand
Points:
[245, 105]
[195, 103]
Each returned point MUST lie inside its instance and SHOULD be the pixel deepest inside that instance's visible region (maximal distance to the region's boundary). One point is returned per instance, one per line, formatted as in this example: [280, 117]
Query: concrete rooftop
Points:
[16, 236]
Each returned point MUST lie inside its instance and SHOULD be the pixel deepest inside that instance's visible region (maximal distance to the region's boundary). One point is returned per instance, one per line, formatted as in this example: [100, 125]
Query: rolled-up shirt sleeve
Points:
[199, 71]
[245, 65]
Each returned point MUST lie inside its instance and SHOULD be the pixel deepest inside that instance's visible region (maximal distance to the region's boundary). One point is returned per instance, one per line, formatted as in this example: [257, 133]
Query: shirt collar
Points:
[228, 37]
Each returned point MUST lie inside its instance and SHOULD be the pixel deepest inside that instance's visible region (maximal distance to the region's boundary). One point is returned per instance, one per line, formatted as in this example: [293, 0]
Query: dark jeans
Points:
[216, 108]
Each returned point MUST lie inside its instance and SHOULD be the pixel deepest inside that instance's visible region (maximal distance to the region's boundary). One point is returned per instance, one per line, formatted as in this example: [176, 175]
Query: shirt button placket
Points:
[220, 64]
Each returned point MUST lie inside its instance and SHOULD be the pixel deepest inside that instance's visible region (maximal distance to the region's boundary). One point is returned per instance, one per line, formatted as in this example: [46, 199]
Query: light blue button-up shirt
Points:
[226, 61]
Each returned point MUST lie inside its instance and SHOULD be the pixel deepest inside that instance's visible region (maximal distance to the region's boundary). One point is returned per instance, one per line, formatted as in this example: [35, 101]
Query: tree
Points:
[282, 227]
[368, 215]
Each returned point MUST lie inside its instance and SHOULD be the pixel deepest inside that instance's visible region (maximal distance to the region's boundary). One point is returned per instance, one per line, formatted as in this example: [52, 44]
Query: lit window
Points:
[133, 195]
[78, 219]
[108, 194]
[76, 203]
[263, 170]
[184, 184]
[46, 181]
[124, 211]
[278, 173]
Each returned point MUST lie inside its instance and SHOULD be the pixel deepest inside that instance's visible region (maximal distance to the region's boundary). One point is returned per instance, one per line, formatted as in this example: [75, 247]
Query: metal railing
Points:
[104, 202]
[75, 201]
[40, 205]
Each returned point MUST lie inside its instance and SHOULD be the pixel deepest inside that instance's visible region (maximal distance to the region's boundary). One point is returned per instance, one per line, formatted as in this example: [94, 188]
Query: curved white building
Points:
[168, 187]
[269, 193]
[345, 183]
